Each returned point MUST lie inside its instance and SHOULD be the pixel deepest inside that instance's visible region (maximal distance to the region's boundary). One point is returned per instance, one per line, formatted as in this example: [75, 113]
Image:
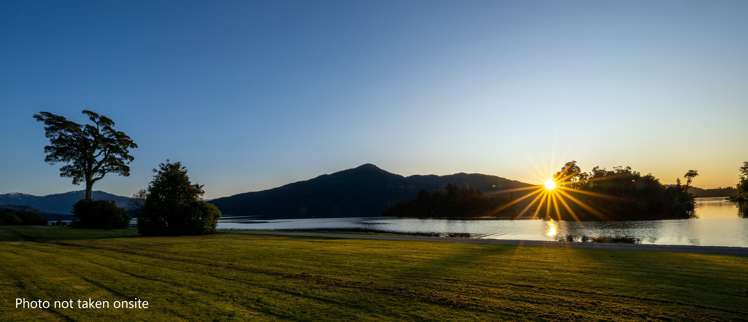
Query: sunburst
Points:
[548, 199]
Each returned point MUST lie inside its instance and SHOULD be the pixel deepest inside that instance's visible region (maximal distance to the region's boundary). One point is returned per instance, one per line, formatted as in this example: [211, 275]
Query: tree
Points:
[618, 194]
[173, 205]
[743, 183]
[570, 174]
[742, 196]
[690, 174]
[89, 151]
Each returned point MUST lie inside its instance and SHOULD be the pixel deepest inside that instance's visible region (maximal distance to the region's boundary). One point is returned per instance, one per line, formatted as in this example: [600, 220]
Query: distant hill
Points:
[61, 203]
[714, 192]
[364, 191]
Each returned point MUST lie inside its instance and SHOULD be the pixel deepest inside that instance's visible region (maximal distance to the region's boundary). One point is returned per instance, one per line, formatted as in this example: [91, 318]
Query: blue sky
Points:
[251, 95]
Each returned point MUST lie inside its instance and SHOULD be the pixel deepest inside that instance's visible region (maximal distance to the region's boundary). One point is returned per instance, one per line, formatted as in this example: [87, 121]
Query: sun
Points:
[549, 185]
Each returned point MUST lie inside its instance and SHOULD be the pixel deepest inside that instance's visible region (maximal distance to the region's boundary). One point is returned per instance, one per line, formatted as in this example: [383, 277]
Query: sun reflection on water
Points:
[551, 228]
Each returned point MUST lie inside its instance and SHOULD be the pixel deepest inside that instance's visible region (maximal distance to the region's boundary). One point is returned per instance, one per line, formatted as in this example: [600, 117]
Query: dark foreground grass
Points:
[245, 276]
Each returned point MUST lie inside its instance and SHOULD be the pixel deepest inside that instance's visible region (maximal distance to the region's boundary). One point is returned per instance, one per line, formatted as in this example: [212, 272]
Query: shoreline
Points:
[720, 250]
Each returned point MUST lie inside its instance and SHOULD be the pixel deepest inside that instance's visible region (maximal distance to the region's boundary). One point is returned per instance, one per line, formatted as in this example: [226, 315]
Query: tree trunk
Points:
[89, 190]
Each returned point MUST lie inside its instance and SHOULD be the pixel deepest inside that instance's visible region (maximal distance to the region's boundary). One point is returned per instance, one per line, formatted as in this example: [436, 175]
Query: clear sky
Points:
[251, 95]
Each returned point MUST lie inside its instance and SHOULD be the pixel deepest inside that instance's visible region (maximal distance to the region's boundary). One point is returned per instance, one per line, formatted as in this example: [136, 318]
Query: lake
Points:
[716, 224]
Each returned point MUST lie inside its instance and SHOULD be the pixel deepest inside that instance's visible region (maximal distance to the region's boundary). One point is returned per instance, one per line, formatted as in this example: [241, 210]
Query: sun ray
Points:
[512, 190]
[547, 196]
[517, 200]
[555, 206]
[588, 193]
[540, 205]
[571, 211]
[582, 204]
[530, 204]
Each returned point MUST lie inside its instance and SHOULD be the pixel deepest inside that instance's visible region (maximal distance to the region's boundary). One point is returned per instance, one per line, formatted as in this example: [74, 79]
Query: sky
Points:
[250, 95]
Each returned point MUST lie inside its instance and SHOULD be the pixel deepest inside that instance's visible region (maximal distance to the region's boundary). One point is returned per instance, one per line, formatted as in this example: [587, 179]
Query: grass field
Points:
[236, 276]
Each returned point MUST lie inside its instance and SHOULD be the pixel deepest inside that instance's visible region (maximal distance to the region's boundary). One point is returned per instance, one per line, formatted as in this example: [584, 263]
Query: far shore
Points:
[374, 235]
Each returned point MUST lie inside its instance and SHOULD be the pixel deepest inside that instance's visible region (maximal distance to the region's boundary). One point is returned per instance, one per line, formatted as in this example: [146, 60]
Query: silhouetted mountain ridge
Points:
[363, 191]
[59, 203]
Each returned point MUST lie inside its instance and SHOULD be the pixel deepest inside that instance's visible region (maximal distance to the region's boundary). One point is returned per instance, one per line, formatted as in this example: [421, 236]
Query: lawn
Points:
[239, 276]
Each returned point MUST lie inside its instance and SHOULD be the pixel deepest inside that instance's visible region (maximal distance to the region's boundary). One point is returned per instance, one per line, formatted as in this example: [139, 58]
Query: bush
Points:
[100, 214]
[173, 207]
[12, 215]
[9, 218]
[200, 217]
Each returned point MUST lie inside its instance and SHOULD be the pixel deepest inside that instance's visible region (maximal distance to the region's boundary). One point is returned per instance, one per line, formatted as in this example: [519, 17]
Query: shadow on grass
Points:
[452, 265]
[693, 286]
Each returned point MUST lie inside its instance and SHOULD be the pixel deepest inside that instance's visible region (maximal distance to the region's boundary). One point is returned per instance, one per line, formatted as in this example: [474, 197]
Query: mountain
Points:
[364, 191]
[61, 203]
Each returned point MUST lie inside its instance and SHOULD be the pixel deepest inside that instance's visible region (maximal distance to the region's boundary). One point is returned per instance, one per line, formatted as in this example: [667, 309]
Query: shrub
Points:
[173, 207]
[18, 215]
[99, 214]
[9, 218]
[199, 217]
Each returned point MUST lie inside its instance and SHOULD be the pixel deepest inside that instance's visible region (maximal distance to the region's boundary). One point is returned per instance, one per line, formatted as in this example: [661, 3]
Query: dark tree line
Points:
[451, 202]
[622, 194]
[601, 194]
[19, 215]
[742, 195]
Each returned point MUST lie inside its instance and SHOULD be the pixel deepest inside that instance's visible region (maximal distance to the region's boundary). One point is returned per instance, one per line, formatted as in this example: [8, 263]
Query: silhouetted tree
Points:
[90, 151]
[101, 214]
[743, 183]
[21, 215]
[689, 178]
[622, 194]
[570, 174]
[173, 205]
[452, 202]
[742, 195]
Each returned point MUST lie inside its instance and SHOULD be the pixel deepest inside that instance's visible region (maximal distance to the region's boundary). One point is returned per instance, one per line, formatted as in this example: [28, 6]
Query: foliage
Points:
[452, 202]
[742, 195]
[601, 194]
[623, 194]
[689, 178]
[89, 151]
[18, 215]
[173, 206]
[100, 214]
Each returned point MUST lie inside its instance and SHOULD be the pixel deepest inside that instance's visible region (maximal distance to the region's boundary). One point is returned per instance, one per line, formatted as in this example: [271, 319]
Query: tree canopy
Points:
[742, 196]
[89, 151]
[173, 206]
[624, 194]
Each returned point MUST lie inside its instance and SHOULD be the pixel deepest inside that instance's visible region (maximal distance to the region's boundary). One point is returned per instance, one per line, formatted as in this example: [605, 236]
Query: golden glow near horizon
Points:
[551, 228]
[549, 199]
[549, 185]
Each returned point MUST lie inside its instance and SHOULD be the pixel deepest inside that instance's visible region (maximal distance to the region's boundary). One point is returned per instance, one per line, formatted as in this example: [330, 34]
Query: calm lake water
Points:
[716, 224]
